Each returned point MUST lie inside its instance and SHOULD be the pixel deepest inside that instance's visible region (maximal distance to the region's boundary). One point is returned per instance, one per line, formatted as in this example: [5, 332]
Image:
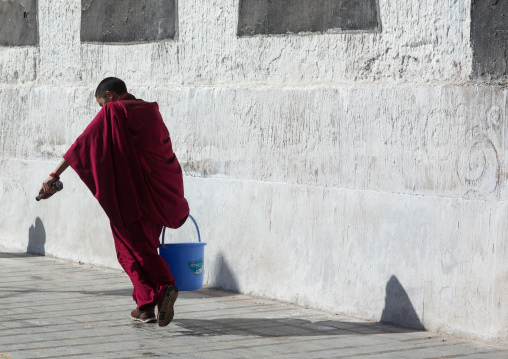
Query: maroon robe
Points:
[125, 158]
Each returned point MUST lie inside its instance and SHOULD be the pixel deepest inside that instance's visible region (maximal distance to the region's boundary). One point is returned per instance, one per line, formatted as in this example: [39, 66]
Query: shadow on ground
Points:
[207, 293]
[9, 292]
[282, 327]
[397, 314]
[17, 255]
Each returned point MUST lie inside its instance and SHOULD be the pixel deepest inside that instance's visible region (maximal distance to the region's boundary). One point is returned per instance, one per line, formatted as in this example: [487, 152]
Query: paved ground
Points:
[56, 309]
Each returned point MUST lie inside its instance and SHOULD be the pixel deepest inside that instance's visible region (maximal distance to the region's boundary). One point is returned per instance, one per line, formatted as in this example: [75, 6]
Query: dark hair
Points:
[110, 84]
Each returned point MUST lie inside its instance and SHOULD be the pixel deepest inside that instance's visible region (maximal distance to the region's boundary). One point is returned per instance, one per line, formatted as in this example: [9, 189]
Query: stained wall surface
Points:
[127, 21]
[18, 19]
[285, 17]
[332, 170]
[489, 36]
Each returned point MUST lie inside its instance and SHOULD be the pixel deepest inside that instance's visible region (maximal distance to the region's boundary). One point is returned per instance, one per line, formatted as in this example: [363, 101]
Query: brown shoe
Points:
[145, 317]
[165, 306]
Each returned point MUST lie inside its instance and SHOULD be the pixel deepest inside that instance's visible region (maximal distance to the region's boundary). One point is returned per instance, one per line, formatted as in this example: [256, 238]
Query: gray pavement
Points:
[51, 308]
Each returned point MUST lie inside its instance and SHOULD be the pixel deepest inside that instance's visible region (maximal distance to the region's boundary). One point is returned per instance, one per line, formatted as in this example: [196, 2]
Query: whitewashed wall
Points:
[318, 166]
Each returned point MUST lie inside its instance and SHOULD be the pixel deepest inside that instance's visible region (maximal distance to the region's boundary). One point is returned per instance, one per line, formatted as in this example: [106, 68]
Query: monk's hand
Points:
[46, 186]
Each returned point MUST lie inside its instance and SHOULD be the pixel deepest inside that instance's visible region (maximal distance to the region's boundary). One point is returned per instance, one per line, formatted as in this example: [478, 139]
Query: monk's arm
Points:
[62, 166]
[46, 185]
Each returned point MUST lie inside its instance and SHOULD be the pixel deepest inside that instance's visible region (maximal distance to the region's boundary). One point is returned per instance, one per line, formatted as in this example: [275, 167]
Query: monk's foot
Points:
[166, 306]
[144, 316]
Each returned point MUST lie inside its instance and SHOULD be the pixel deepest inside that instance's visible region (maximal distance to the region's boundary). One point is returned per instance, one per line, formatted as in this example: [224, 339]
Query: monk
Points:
[125, 158]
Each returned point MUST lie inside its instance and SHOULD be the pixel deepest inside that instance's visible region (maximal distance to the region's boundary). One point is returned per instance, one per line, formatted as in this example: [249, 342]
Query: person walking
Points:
[125, 158]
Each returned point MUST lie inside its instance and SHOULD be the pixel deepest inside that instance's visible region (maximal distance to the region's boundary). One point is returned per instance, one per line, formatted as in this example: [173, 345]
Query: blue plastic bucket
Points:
[186, 261]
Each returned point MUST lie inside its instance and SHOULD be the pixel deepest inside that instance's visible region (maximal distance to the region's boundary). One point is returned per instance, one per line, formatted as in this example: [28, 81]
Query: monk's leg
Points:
[136, 247]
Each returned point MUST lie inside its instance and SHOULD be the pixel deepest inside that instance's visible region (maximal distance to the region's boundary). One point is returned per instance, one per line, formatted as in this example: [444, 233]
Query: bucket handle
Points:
[195, 224]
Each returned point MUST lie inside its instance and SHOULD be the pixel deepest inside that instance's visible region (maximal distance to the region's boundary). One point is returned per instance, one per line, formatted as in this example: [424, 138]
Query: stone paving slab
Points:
[51, 308]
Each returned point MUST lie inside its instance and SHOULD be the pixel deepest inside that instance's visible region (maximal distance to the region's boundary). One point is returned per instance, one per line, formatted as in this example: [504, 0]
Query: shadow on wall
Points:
[225, 276]
[398, 308]
[36, 238]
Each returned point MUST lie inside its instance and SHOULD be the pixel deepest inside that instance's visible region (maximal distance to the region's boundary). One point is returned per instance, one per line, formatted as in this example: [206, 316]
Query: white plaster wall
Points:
[318, 166]
[420, 41]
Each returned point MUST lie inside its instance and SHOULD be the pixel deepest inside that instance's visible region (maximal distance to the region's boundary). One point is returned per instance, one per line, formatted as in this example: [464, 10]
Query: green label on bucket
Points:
[196, 267]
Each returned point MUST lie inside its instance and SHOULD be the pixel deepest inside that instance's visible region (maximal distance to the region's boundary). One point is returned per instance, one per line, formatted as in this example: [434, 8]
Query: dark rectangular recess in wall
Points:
[128, 20]
[489, 38]
[271, 17]
[18, 23]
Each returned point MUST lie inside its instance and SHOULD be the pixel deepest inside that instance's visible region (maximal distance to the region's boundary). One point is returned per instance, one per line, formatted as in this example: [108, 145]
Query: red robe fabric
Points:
[125, 158]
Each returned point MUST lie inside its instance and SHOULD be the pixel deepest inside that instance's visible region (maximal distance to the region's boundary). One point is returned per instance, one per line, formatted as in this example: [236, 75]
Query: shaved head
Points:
[111, 84]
